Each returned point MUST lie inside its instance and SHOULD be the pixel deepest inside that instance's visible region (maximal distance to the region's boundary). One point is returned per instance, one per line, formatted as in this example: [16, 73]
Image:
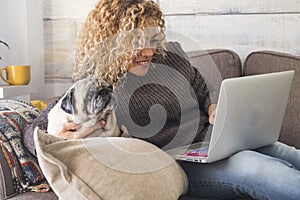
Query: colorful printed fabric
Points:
[26, 174]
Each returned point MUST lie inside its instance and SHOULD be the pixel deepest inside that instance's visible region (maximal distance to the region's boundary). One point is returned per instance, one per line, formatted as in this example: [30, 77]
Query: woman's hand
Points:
[72, 130]
[212, 113]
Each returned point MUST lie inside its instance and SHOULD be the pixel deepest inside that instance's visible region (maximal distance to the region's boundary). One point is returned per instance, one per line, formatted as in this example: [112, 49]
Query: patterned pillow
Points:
[14, 115]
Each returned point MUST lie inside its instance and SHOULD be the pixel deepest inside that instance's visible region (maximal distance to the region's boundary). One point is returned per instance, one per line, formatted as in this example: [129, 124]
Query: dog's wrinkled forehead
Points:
[86, 94]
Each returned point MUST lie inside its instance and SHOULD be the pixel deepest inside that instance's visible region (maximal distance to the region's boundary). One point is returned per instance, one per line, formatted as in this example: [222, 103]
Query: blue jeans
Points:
[271, 172]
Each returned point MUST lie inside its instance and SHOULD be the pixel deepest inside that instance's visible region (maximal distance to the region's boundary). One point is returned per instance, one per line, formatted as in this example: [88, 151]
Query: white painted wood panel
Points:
[241, 33]
[173, 7]
[59, 42]
[67, 9]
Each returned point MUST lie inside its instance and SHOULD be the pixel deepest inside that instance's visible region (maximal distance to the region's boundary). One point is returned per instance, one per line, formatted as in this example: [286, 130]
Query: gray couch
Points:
[229, 65]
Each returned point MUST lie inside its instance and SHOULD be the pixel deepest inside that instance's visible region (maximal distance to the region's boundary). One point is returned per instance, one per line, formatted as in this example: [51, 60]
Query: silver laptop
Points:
[249, 115]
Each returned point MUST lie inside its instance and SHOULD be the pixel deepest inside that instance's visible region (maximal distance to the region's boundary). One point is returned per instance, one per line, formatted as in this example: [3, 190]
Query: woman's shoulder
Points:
[175, 48]
[176, 58]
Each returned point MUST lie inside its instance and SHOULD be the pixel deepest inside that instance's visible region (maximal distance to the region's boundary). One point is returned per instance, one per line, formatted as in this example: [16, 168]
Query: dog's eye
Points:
[91, 92]
[103, 93]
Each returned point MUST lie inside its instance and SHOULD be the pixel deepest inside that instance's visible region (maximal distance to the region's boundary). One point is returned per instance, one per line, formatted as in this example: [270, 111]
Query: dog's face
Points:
[88, 101]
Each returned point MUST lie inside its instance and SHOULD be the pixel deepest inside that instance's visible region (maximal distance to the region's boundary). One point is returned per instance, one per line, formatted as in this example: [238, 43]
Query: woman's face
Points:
[142, 58]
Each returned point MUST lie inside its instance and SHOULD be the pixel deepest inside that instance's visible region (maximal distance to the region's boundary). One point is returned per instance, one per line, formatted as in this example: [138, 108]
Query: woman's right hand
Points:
[212, 113]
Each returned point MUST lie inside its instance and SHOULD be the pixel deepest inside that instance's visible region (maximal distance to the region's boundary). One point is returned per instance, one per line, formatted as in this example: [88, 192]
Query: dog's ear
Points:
[102, 99]
[67, 102]
[97, 104]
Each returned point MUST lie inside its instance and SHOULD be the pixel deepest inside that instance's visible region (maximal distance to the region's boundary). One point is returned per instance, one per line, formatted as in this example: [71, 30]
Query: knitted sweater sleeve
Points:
[205, 95]
[42, 122]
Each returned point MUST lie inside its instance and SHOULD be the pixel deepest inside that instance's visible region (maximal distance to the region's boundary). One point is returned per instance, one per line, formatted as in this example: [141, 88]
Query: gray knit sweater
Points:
[167, 107]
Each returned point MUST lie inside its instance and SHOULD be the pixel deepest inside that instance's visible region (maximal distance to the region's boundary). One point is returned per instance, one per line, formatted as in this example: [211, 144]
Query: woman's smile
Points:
[143, 63]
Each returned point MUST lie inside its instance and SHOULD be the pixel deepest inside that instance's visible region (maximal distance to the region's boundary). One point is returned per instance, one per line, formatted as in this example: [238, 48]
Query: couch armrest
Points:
[6, 183]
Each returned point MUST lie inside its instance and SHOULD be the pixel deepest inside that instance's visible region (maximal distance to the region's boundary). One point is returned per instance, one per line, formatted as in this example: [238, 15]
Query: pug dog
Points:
[86, 102]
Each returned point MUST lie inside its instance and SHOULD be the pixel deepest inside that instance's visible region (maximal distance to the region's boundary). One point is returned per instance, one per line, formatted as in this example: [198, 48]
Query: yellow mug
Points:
[16, 74]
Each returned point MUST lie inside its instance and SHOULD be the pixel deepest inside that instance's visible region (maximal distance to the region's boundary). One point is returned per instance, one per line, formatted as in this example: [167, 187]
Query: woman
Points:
[165, 101]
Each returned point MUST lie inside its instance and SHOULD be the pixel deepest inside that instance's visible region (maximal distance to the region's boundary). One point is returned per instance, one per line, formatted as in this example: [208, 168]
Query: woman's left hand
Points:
[212, 113]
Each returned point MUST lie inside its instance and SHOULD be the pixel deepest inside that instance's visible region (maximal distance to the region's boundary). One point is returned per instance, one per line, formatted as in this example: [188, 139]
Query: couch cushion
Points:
[109, 168]
[261, 62]
[35, 196]
[6, 182]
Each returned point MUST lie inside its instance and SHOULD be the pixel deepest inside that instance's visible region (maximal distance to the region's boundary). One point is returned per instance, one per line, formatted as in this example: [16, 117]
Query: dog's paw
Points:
[124, 132]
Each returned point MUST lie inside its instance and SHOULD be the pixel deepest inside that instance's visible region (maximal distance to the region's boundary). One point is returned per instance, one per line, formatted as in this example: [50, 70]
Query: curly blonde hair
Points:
[112, 33]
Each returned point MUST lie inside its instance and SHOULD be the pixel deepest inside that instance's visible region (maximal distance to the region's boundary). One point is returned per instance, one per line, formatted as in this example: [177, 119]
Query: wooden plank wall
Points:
[241, 25]
[61, 23]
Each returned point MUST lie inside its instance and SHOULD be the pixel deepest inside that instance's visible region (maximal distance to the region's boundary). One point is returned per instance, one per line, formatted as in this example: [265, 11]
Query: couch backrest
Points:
[216, 65]
[261, 62]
